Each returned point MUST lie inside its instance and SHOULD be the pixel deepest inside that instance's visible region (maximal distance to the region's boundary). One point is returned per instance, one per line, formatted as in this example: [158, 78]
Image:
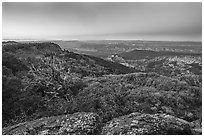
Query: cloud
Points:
[97, 20]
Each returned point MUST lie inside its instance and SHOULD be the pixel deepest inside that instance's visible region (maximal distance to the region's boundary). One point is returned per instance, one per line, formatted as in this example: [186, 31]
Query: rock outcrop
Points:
[147, 124]
[83, 123]
[75, 124]
[196, 127]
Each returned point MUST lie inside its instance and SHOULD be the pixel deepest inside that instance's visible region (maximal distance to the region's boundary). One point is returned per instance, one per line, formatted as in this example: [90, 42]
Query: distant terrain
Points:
[102, 87]
[103, 48]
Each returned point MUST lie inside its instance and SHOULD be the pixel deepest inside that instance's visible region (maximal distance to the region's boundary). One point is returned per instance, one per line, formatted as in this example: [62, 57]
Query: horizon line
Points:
[98, 40]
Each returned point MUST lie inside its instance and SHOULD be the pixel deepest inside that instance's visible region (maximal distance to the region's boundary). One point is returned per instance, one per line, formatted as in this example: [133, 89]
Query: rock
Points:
[197, 123]
[197, 131]
[154, 109]
[146, 124]
[167, 110]
[189, 115]
[78, 123]
[197, 127]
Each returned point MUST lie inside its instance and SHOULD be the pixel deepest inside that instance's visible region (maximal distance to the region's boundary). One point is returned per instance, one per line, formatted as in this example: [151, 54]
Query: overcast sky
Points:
[148, 21]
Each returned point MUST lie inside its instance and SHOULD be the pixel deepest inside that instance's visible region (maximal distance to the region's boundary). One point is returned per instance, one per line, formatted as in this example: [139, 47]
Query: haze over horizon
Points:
[178, 21]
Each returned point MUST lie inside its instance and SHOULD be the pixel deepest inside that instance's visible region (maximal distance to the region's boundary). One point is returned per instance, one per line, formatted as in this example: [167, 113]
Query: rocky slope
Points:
[75, 124]
[147, 124]
[89, 123]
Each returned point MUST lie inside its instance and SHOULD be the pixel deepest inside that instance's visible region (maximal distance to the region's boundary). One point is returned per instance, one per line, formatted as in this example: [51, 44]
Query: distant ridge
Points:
[9, 42]
[148, 54]
[31, 49]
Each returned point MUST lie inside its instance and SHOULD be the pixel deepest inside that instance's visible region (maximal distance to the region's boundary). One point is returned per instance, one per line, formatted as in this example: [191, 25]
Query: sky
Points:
[98, 21]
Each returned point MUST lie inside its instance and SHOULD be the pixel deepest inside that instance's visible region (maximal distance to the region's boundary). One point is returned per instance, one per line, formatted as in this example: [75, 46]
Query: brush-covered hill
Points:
[30, 49]
[43, 67]
[179, 65]
[43, 87]
[26, 51]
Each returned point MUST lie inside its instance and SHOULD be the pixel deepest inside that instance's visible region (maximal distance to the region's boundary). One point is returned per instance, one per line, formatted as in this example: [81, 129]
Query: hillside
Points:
[41, 68]
[43, 86]
[25, 50]
[42, 50]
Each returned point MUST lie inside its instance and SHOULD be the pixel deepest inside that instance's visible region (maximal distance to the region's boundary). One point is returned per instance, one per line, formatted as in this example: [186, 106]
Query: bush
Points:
[11, 62]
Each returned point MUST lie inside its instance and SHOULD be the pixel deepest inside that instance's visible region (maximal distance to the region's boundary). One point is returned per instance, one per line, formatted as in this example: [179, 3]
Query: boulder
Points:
[146, 124]
[196, 127]
[74, 124]
[167, 110]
